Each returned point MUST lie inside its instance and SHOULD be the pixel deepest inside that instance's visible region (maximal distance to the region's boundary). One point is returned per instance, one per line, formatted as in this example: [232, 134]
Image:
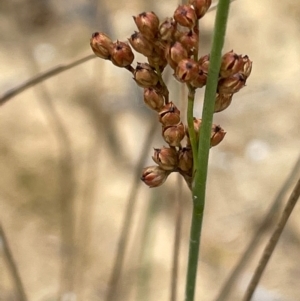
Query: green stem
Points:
[190, 121]
[204, 146]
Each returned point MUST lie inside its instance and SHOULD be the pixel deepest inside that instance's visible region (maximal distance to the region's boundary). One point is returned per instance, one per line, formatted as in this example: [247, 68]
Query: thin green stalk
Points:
[204, 146]
[190, 121]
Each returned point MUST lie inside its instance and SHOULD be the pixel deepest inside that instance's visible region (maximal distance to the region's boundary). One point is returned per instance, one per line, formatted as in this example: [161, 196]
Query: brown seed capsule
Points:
[200, 79]
[153, 99]
[169, 115]
[167, 30]
[101, 44]
[166, 158]
[185, 16]
[247, 68]
[154, 176]
[145, 76]
[147, 23]
[222, 102]
[173, 134]
[140, 44]
[204, 63]
[217, 135]
[189, 40]
[186, 71]
[174, 53]
[121, 54]
[185, 159]
[231, 63]
[231, 84]
[201, 7]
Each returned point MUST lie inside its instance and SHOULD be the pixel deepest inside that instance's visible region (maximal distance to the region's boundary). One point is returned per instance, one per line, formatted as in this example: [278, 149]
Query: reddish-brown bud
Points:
[187, 70]
[185, 16]
[154, 176]
[147, 23]
[231, 84]
[200, 79]
[185, 159]
[231, 63]
[217, 135]
[101, 44]
[204, 63]
[145, 76]
[247, 68]
[121, 54]
[140, 44]
[189, 40]
[167, 30]
[169, 115]
[175, 53]
[166, 158]
[201, 7]
[153, 99]
[173, 134]
[222, 102]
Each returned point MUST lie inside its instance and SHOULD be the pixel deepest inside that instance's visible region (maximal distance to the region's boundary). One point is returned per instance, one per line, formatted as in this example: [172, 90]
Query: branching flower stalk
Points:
[174, 43]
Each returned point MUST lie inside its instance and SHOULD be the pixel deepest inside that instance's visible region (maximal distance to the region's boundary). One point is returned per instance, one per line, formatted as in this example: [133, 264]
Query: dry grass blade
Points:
[113, 284]
[12, 266]
[267, 221]
[42, 77]
[268, 251]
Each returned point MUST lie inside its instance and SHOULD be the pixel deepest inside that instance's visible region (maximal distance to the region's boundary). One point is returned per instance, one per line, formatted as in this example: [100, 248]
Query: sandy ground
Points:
[69, 147]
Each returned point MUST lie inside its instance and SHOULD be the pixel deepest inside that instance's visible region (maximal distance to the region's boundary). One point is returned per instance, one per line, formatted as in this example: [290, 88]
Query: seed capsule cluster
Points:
[173, 42]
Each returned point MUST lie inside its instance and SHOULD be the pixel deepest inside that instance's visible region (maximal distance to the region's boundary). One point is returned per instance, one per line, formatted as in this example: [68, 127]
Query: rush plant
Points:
[174, 43]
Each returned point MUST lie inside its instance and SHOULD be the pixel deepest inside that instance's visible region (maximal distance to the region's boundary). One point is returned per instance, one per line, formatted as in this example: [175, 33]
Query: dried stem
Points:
[42, 77]
[12, 265]
[126, 226]
[267, 221]
[269, 249]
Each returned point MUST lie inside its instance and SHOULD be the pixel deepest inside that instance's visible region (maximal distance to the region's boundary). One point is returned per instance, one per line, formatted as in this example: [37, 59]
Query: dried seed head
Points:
[200, 79]
[147, 23]
[173, 134]
[187, 70]
[175, 53]
[231, 63]
[217, 135]
[201, 7]
[153, 99]
[185, 159]
[121, 54]
[189, 40]
[231, 84]
[154, 176]
[101, 44]
[185, 16]
[247, 68]
[169, 115]
[222, 102]
[140, 44]
[167, 30]
[166, 158]
[145, 76]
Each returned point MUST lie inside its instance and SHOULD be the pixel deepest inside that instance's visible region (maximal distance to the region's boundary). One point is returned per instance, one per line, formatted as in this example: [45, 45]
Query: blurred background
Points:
[70, 149]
